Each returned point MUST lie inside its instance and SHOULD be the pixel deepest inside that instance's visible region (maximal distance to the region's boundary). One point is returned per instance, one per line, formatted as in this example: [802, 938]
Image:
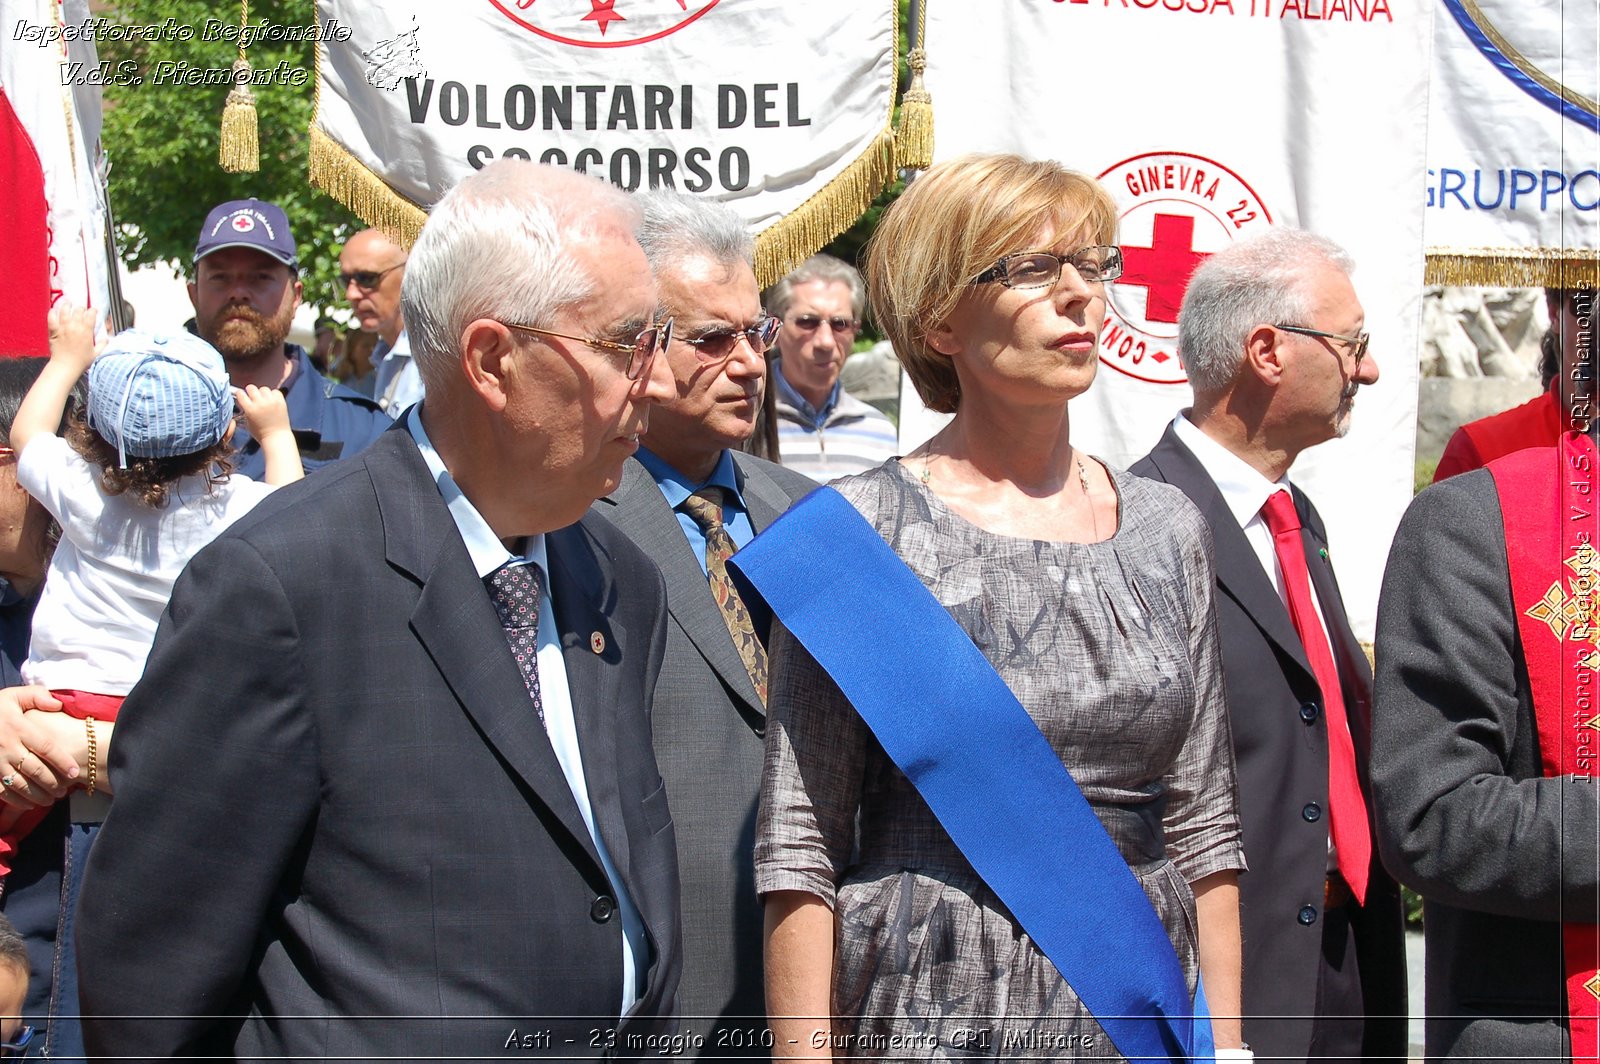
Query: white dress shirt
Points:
[489, 555]
[1245, 491]
[397, 383]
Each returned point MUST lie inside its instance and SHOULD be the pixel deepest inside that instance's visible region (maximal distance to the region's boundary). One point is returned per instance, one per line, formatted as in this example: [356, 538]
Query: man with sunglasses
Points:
[410, 810]
[245, 291]
[372, 267]
[689, 498]
[1270, 332]
[823, 431]
[1567, 370]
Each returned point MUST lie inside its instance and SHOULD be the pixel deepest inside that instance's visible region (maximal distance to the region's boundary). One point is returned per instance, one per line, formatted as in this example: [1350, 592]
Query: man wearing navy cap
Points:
[245, 291]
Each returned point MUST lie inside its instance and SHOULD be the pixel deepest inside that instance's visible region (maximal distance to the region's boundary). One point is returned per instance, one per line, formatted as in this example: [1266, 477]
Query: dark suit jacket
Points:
[709, 727]
[1280, 740]
[338, 821]
[1466, 817]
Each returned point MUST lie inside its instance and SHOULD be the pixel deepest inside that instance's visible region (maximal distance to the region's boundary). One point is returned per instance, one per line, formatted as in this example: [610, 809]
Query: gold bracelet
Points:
[88, 726]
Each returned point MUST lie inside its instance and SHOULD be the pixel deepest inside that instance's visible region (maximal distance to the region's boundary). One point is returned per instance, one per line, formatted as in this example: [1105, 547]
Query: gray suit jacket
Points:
[1465, 815]
[709, 726]
[1280, 737]
[340, 829]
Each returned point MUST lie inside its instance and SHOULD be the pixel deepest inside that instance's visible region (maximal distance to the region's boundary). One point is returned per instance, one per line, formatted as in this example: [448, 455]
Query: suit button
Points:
[1308, 712]
[602, 909]
[1308, 915]
[1311, 813]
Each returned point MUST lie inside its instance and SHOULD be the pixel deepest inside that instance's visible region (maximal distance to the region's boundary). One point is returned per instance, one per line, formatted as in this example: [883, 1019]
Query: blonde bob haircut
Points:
[954, 222]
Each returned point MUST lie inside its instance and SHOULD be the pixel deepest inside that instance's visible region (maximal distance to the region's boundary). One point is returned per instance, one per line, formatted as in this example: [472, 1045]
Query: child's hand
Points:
[264, 410]
[72, 335]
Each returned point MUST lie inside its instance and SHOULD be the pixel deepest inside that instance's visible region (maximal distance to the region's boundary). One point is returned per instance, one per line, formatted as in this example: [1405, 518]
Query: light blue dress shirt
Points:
[488, 556]
[676, 488]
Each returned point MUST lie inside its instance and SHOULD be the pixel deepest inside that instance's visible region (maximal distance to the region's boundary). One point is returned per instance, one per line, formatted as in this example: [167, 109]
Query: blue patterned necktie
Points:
[514, 590]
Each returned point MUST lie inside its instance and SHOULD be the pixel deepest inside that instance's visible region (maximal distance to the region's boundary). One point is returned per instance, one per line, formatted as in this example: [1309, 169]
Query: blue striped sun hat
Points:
[159, 395]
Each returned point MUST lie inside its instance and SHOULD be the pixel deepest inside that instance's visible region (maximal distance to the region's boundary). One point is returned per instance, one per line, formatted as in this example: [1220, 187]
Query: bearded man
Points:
[245, 291]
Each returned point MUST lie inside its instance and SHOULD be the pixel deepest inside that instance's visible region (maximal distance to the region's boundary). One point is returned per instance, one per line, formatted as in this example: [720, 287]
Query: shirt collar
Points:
[400, 349]
[488, 554]
[787, 393]
[677, 487]
[1243, 488]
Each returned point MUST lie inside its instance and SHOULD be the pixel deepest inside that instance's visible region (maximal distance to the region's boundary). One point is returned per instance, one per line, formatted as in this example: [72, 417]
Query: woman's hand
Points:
[37, 748]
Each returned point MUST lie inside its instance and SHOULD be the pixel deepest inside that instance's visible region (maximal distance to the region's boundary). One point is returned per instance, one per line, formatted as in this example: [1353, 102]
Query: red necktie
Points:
[1351, 834]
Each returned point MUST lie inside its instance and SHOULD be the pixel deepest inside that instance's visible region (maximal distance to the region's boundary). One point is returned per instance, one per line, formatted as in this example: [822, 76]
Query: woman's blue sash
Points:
[950, 723]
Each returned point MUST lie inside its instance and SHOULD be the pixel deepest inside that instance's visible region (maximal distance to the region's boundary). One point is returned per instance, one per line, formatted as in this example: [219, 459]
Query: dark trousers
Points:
[1336, 1033]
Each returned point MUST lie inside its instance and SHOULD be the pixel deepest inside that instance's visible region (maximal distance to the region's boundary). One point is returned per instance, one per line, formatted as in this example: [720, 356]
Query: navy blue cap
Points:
[248, 223]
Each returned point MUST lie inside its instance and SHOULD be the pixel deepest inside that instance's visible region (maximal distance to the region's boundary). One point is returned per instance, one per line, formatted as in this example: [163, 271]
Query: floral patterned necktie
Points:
[514, 590]
[705, 507]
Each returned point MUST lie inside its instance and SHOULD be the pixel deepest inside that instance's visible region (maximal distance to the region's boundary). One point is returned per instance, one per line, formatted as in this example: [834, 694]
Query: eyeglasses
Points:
[1038, 269]
[18, 1046]
[640, 353]
[1357, 343]
[808, 322]
[718, 344]
[366, 278]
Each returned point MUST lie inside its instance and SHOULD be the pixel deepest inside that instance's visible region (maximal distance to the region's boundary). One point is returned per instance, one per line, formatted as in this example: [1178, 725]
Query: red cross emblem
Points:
[1163, 269]
[243, 223]
[603, 23]
[1176, 209]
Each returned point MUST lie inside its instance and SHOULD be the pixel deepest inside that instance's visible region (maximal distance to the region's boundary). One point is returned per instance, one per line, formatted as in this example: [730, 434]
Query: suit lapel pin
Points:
[1324, 552]
[597, 642]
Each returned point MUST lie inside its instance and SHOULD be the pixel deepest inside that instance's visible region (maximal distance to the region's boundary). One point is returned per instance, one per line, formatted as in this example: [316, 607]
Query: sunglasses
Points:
[17, 1048]
[718, 344]
[368, 279]
[809, 322]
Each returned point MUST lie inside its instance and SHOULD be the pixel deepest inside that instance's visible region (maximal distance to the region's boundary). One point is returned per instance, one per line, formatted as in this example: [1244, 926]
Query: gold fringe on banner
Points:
[799, 234]
[837, 205]
[1515, 267]
[344, 177]
[239, 146]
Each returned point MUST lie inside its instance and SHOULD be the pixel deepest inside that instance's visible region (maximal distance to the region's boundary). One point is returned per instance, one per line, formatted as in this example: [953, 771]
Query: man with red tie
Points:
[1271, 336]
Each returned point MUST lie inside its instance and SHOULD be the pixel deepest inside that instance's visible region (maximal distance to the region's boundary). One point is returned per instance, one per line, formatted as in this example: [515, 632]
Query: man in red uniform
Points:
[1538, 422]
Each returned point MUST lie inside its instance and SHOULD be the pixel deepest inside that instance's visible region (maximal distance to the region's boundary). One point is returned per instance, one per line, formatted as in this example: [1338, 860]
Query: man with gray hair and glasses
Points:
[448, 838]
[823, 431]
[690, 498]
[1271, 335]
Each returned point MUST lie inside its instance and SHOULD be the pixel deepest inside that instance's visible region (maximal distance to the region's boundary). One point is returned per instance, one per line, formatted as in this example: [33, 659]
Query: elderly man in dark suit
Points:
[1271, 335]
[689, 498]
[387, 790]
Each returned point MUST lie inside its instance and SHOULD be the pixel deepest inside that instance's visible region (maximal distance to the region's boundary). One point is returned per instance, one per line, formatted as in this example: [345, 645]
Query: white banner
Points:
[1209, 120]
[1513, 188]
[778, 111]
[51, 169]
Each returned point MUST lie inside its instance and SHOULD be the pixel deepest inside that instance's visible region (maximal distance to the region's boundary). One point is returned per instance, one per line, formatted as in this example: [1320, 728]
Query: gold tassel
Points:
[343, 176]
[240, 147]
[1515, 267]
[913, 145]
[830, 211]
